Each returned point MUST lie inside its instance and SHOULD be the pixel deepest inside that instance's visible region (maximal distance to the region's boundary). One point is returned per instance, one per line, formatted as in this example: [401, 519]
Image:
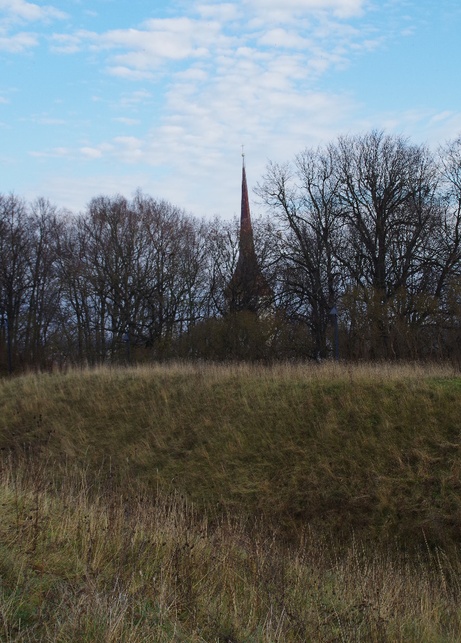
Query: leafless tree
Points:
[303, 196]
[15, 246]
[42, 317]
[390, 209]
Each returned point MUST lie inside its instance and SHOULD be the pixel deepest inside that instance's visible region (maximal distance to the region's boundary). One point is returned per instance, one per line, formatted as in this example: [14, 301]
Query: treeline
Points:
[367, 227]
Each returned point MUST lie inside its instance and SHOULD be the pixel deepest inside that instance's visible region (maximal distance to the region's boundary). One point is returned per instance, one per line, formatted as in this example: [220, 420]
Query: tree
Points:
[388, 194]
[42, 317]
[174, 294]
[134, 276]
[364, 228]
[15, 244]
[304, 199]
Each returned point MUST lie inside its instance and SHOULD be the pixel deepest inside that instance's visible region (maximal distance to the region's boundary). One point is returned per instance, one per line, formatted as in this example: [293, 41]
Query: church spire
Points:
[248, 288]
[246, 244]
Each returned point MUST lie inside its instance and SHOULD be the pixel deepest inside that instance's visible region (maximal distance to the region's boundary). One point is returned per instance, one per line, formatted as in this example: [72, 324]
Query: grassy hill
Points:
[231, 503]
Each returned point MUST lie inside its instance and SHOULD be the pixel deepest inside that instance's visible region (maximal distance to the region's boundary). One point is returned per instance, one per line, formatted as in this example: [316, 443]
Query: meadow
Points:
[231, 503]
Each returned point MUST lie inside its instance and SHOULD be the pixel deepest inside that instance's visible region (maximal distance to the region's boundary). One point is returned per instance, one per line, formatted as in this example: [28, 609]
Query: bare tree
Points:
[15, 245]
[387, 190]
[41, 322]
[304, 199]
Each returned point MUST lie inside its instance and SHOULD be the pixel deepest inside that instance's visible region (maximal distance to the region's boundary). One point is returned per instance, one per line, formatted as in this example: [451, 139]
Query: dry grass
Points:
[195, 502]
[79, 563]
[372, 447]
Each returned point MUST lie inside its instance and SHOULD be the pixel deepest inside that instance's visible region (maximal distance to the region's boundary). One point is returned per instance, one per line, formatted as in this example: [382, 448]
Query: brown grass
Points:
[79, 563]
[231, 503]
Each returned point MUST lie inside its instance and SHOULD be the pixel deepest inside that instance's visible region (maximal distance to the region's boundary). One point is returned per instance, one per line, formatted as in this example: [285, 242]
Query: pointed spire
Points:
[245, 217]
[247, 288]
[246, 243]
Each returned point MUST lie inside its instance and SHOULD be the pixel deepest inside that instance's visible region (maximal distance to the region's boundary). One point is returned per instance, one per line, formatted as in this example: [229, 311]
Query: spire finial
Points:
[243, 155]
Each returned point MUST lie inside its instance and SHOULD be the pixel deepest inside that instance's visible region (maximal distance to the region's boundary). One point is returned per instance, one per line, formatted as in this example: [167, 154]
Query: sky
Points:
[105, 97]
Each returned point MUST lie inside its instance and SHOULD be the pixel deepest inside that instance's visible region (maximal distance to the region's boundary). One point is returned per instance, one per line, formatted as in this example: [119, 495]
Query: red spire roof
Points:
[246, 244]
[247, 288]
[245, 218]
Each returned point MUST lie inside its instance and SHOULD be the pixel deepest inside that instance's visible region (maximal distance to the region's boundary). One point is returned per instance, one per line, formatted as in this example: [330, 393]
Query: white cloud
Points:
[227, 90]
[129, 148]
[14, 12]
[159, 41]
[65, 43]
[125, 149]
[442, 116]
[339, 8]
[192, 74]
[134, 98]
[60, 152]
[224, 12]
[91, 152]
[130, 74]
[229, 73]
[18, 43]
[223, 31]
[126, 121]
[29, 11]
[282, 38]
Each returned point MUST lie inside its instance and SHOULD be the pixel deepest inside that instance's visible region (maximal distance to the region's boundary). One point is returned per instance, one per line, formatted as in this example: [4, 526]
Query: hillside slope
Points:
[373, 450]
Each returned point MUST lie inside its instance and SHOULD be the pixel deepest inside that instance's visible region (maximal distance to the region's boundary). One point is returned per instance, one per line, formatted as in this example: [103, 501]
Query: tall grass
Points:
[231, 503]
[370, 448]
[83, 563]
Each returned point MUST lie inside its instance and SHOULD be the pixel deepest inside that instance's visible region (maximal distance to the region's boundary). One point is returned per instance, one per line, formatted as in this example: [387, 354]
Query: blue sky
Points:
[108, 96]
